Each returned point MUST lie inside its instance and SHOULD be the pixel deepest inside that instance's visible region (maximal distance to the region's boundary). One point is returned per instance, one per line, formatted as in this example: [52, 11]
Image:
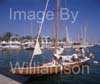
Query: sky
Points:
[88, 18]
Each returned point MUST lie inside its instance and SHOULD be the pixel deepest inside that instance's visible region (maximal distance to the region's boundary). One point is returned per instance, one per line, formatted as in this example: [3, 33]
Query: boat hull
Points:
[46, 69]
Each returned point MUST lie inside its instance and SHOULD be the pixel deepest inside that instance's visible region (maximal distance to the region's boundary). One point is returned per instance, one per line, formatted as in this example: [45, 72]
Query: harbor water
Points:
[7, 57]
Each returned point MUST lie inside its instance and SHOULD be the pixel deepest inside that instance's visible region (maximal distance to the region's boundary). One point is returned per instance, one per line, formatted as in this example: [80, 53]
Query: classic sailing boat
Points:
[53, 67]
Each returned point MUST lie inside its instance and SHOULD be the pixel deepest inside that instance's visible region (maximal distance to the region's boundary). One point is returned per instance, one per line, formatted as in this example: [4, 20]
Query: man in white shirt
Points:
[75, 57]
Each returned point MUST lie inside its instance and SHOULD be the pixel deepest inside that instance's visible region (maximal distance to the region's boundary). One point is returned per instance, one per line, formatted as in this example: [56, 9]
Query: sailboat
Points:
[53, 67]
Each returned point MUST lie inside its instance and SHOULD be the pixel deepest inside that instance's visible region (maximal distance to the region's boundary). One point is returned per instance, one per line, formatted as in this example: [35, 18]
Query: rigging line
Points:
[40, 28]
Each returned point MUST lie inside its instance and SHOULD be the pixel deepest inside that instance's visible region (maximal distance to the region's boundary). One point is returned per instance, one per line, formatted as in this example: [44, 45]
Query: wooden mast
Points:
[56, 40]
[57, 14]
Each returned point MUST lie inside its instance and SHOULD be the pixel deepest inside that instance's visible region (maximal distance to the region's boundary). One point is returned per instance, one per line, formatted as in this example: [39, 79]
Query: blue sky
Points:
[89, 15]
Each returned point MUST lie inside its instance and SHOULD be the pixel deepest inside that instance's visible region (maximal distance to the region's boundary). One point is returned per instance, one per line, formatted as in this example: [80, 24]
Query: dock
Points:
[6, 80]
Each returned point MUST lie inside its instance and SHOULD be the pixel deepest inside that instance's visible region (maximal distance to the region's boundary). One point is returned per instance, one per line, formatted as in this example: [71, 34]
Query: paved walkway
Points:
[6, 80]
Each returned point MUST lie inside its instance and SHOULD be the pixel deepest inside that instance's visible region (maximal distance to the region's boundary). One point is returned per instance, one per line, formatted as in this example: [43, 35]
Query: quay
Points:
[6, 80]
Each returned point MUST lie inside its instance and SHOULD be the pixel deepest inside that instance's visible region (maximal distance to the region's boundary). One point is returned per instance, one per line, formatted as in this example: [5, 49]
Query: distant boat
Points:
[53, 67]
[14, 44]
[4, 44]
[28, 45]
[11, 45]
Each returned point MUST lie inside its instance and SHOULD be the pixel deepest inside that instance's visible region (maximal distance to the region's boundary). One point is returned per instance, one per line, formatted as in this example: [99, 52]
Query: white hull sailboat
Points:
[53, 67]
[11, 45]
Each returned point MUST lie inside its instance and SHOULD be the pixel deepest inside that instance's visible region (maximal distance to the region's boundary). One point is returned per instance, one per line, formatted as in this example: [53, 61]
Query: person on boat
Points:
[60, 61]
[56, 59]
[79, 54]
[77, 51]
[82, 53]
[91, 55]
[75, 56]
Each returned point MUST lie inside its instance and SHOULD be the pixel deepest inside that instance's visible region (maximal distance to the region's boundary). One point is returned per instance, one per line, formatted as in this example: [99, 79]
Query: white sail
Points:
[37, 50]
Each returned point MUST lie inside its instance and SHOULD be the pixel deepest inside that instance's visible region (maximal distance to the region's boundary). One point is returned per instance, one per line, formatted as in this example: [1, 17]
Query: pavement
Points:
[6, 80]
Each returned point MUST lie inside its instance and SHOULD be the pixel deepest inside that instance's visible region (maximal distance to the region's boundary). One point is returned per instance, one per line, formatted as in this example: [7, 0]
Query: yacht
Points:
[11, 45]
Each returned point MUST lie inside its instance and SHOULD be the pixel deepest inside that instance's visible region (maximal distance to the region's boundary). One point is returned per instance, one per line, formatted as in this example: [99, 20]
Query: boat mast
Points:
[57, 14]
[67, 35]
[31, 28]
[85, 35]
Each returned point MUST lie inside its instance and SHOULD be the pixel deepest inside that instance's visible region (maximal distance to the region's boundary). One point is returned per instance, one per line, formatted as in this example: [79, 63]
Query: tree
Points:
[28, 37]
[7, 36]
[49, 39]
[0, 38]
